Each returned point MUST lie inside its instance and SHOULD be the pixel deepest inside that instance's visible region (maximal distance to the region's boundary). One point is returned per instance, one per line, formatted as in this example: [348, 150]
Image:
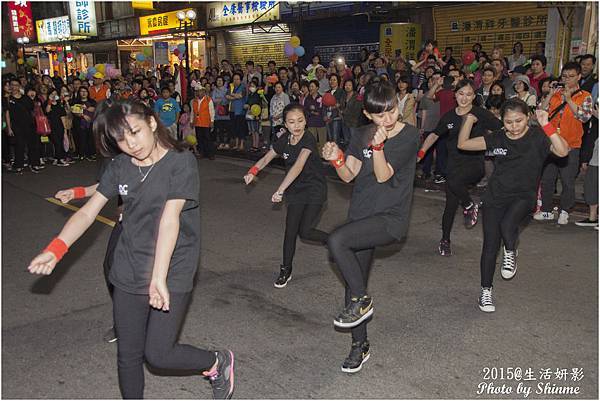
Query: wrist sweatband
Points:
[79, 192]
[549, 129]
[377, 147]
[421, 154]
[253, 170]
[57, 247]
[340, 160]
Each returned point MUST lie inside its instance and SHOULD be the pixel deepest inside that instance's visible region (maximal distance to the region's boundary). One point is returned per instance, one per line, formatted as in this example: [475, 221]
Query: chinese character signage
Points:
[83, 17]
[400, 39]
[242, 12]
[161, 23]
[49, 30]
[142, 5]
[20, 19]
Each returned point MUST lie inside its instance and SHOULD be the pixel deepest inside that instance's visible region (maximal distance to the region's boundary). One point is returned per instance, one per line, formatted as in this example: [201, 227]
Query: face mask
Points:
[252, 90]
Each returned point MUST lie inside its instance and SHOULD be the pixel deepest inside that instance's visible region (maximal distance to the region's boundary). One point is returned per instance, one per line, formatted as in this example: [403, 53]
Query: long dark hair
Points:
[110, 125]
[379, 97]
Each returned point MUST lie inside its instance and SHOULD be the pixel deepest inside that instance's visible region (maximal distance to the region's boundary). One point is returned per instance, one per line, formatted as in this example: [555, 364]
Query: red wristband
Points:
[79, 192]
[253, 170]
[57, 247]
[549, 129]
[340, 160]
[421, 154]
[377, 147]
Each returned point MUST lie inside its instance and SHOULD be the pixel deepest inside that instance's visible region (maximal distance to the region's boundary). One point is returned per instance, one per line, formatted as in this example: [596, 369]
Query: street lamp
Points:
[23, 41]
[62, 38]
[186, 18]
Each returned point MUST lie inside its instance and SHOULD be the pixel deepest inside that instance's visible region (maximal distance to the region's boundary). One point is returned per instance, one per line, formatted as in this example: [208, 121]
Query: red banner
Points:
[20, 19]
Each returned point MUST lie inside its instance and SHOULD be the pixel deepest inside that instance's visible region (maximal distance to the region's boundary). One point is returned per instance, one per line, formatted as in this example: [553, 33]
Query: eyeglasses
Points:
[568, 76]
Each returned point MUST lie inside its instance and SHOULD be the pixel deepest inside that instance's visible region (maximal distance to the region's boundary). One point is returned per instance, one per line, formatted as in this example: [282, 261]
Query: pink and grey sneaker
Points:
[471, 215]
[221, 377]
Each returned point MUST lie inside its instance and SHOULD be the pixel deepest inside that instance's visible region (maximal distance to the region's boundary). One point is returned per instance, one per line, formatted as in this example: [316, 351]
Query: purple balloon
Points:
[288, 49]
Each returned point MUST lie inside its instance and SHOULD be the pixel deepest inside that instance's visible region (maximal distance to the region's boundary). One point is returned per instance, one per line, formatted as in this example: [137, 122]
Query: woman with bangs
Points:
[520, 151]
[464, 167]
[156, 255]
[380, 159]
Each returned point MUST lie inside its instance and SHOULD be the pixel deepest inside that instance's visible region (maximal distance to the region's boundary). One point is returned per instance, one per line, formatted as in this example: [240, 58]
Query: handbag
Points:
[42, 125]
[67, 122]
[222, 110]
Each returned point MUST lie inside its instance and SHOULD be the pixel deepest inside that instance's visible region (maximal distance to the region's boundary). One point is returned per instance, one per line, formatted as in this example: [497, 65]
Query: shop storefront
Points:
[56, 53]
[234, 38]
[500, 24]
[162, 42]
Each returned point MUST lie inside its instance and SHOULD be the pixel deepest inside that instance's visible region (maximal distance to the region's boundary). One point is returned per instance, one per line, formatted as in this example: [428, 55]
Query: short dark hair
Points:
[250, 62]
[514, 104]
[541, 82]
[490, 69]
[293, 107]
[272, 62]
[314, 81]
[572, 65]
[464, 82]
[448, 48]
[494, 102]
[379, 97]
[540, 58]
[586, 56]
[282, 69]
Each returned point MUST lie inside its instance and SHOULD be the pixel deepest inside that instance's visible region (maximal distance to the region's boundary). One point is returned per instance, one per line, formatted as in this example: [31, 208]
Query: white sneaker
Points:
[509, 264]
[486, 304]
[541, 216]
[563, 218]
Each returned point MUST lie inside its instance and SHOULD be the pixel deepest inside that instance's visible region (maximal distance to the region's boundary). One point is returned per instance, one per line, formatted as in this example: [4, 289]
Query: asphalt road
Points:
[428, 337]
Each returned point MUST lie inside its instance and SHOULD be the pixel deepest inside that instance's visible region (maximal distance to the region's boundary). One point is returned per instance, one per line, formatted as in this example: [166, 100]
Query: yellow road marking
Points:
[101, 219]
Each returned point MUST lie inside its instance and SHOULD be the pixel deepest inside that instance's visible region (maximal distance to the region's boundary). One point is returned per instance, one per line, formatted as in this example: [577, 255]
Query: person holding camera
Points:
[568, 107]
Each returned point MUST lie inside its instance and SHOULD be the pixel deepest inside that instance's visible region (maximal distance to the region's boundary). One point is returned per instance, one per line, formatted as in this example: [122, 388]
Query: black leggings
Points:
[110, 254]
[301, 220]
[151, 334]
[352, 246]
[457, 192]
[500, 221]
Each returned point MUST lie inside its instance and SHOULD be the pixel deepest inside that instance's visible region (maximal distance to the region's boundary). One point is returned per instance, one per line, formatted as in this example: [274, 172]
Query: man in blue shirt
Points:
[168, 110]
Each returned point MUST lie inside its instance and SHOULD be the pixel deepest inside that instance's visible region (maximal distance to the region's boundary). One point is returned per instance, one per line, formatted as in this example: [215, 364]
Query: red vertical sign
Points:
[20, 19]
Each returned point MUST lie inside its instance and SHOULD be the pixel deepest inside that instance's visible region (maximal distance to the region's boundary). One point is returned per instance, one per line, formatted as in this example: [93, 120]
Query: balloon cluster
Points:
[468, 58]
[108, 70]
[293, 50]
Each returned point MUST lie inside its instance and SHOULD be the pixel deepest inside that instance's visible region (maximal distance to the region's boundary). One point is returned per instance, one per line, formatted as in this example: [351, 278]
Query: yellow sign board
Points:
[399, 39]
[142, 5]
[227, 13]
[260, 53]
[160, 23]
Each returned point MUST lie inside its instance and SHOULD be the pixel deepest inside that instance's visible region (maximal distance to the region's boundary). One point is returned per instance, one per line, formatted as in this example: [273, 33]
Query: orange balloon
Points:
[294, 58]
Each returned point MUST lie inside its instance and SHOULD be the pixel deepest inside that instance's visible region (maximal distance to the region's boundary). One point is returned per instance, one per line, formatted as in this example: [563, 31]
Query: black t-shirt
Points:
[310, 186]
[20, 111]
[54, 116]
[390, 199]
[517, 164]
[175, 176]
[450, 124]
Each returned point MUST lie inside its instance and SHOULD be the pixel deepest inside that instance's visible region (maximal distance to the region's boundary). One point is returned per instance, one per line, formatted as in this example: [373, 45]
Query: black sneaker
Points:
[16, 170]
[486, 301]
[110, 336]
[439, 179]
[359, 354]
[444, 248]
[357, 311]
[221, 378]
[587, 223]
[62, 163]
[35, 169]
[285, 275]
[471, 215]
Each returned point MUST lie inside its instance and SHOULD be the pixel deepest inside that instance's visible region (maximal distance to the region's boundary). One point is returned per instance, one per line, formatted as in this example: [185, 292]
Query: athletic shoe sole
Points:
[231, 376]
[353, 324]
[488, 308]
[284, 284]
[580, 224]
[358, 368]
